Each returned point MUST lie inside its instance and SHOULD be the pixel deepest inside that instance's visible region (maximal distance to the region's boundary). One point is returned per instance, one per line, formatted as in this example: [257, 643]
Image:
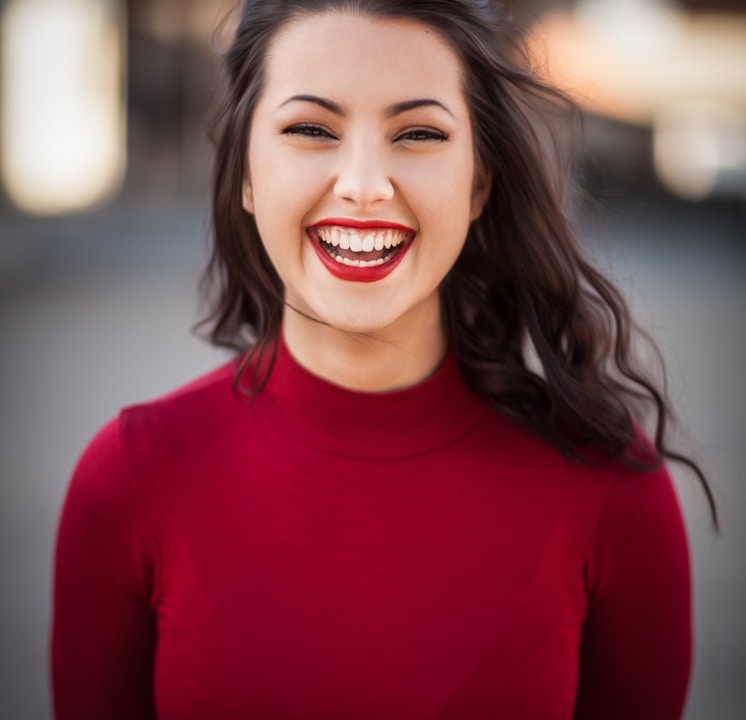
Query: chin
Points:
[354, 322]
[356, 326]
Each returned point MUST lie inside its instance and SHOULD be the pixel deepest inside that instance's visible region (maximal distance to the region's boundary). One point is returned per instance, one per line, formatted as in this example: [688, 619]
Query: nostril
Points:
[364, 190]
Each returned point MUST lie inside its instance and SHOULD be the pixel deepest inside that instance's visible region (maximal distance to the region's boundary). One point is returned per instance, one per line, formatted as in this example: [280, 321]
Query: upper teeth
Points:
[361, 240]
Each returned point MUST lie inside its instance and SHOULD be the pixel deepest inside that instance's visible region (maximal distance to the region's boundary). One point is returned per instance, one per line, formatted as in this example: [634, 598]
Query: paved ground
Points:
[95, 313]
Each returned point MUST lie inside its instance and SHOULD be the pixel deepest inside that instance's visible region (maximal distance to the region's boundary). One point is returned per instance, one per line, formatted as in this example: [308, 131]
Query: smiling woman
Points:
[355, 156]
[421, 489]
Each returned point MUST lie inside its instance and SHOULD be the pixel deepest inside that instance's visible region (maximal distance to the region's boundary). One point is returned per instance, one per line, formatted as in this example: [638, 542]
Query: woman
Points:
[421, 492]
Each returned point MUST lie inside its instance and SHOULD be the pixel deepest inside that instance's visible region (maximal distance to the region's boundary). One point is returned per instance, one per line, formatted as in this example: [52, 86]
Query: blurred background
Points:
[104, 225]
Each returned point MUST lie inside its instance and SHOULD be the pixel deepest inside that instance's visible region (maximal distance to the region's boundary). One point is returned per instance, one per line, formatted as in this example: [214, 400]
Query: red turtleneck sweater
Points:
[323, 554]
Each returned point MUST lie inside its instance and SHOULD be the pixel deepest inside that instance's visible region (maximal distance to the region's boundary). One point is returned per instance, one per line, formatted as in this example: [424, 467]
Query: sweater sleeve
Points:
[103, 630]
[636, 647]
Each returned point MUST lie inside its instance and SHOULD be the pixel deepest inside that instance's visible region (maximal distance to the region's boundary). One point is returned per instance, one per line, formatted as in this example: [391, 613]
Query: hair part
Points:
[522, 285]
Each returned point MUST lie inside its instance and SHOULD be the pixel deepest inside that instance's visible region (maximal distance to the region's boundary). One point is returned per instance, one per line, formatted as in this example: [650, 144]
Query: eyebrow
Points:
[402, 107]
[391, 111]
[323, 102]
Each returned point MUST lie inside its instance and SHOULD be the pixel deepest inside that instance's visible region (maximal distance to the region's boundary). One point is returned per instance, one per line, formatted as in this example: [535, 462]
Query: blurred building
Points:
[663, 83]
[104, 96]
[664, 86]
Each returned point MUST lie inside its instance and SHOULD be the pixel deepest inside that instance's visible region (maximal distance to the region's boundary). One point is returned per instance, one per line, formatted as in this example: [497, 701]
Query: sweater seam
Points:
[154, 596]
[589, 562]
[385, 458]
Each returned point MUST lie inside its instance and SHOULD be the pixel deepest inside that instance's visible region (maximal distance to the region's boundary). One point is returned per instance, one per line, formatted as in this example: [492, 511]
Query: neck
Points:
[382, 361]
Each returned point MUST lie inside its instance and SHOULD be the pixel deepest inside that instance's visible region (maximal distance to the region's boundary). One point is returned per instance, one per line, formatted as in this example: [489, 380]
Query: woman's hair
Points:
[538, 333]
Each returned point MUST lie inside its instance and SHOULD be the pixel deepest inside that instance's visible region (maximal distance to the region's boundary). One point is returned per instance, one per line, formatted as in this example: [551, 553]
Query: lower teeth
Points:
[359, 263]
[356, 262]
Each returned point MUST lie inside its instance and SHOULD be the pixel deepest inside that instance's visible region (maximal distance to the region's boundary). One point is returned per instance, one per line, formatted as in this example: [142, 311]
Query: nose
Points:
[363, 177]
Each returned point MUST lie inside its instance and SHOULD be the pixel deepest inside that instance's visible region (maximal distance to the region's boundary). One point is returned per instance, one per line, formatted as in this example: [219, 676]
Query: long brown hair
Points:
[538, 332]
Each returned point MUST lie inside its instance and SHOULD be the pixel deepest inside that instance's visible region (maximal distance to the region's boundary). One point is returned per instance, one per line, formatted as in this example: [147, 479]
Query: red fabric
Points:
[321, 553]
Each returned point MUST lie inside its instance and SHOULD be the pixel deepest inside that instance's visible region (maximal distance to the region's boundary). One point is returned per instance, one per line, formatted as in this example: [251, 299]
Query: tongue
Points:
[367, 256]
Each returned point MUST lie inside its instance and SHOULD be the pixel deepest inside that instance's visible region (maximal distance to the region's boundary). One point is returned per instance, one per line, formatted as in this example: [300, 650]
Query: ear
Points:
[480, 193]
[247, 197]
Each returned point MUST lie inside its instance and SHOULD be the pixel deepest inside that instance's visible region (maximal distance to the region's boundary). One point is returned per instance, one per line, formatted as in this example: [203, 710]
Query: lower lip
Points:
[351, 273]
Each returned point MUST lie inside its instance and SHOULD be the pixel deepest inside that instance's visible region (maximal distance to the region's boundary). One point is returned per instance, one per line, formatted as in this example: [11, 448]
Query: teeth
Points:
[359, 263]
[350, 239]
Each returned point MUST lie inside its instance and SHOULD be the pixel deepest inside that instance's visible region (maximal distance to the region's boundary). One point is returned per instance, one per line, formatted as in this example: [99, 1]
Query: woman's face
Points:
[361, 169]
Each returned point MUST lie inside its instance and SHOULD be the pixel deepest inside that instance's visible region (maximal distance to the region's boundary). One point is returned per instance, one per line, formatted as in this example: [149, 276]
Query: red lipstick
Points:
[352, 273]
[363, 224]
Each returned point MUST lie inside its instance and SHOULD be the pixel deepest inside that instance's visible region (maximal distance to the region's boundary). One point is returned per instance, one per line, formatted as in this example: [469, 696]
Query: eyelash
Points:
[308, 130]
[317, 131]
[423, 135]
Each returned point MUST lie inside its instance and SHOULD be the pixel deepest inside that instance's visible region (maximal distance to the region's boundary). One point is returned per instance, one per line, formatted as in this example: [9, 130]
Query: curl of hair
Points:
[522, 286]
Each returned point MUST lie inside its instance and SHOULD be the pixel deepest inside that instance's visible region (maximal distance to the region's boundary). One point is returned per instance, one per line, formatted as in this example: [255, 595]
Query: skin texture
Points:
[363, 162]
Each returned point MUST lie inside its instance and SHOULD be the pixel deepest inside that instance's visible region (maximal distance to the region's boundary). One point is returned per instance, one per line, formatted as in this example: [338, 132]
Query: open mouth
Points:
[364, 247]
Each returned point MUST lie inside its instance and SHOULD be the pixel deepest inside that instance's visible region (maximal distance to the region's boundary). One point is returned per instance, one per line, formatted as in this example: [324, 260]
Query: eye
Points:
[422, 135]
[309, 130]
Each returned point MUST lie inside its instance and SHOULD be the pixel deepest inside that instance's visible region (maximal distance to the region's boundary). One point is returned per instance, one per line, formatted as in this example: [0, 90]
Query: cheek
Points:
[287, 190]
[443, 184]
[444, 213]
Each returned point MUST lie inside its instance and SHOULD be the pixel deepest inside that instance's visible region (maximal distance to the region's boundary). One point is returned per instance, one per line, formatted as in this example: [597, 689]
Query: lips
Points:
[362, 251]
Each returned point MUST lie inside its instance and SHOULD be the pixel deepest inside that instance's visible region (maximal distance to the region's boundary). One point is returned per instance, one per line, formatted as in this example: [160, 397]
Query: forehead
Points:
[355, 54]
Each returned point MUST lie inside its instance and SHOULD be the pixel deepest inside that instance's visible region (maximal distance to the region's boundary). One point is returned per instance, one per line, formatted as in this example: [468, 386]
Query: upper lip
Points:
[362, 224]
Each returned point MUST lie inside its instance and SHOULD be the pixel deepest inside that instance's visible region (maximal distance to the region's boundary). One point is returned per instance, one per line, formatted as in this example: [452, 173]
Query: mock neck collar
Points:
[369, 425]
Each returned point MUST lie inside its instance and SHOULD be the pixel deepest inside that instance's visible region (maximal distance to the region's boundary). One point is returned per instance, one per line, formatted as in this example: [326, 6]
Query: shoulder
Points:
[154, 434]
[520, 455]
[192, 408]
[599, 499]
[639, 546]
[640, 506]
[640, 518]
[636, 650]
